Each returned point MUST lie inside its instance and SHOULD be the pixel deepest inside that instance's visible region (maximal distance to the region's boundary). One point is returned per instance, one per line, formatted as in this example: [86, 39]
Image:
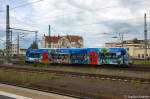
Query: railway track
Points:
[79, 74]
[56, 90]
[117, 67]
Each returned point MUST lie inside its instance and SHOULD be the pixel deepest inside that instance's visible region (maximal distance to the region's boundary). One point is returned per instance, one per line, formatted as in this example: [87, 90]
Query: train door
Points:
[44, 57]
[93, 56]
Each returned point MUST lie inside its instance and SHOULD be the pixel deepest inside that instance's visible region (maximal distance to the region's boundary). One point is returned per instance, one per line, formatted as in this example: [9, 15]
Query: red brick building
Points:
[68, 41]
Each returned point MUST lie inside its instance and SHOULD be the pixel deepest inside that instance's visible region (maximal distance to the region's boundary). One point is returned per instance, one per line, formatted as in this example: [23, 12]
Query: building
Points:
[22, 51]
[68, 41]
[14, 50]
[112, 44]
[135, 48]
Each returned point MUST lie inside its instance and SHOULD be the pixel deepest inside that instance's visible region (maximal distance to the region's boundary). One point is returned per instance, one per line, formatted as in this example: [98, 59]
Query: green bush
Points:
[142, 62]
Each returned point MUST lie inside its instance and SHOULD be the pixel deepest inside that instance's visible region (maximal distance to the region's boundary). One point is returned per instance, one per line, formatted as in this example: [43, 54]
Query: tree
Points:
[34, 45]
[135, 40]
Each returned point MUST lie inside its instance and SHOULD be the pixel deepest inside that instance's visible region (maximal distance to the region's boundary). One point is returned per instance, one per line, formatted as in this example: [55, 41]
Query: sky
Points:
[97, 21]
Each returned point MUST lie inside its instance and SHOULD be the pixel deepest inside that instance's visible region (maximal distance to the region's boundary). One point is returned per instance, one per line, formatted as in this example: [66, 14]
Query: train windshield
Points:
[35, 55]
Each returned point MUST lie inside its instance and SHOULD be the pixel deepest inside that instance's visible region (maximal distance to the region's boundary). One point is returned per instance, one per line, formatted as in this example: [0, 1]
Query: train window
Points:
[100, 54]
[110, 55]
[123, 52]
[35, 55]
[113, 55]
[80, 56]
[74, 56]
[59, 57]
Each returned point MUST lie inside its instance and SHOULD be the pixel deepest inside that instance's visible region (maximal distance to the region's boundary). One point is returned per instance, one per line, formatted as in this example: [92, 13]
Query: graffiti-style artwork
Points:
[93, 56]
[65, 59]
[44, 57]
[75, 59]
[104, 56]
[78, 56]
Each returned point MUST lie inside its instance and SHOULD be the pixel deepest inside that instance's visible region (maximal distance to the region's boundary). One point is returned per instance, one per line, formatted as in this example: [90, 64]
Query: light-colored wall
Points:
[140, 51]
[133, 49]
[136, 49]
[22, 51]
[14, 49]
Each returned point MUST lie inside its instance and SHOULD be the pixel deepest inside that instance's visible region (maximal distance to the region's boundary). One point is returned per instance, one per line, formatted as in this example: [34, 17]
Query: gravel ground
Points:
[105, 71]
[108, 88]
[105, 88]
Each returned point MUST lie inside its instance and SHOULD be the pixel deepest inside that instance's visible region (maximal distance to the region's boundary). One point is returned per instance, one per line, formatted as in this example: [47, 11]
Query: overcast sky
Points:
[87, 18]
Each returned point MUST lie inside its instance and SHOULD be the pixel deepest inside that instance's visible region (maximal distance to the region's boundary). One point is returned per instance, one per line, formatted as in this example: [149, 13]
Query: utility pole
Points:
[11, 42]
[36, 37]
[18, 44]
[122, 39]
[145, 36]
[7, 35]
[49, 31]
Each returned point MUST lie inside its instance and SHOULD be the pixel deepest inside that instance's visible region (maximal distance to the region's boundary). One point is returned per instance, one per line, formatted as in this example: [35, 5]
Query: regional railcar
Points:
[93, 56]
[37, 55]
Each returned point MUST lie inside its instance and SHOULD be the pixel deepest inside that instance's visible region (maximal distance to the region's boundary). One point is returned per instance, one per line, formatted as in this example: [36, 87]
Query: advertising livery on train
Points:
[93, 56]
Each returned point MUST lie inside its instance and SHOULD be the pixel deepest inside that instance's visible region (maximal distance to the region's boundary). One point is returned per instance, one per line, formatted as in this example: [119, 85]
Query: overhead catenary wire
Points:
[26, 4]
[22, 5]
[77, 24]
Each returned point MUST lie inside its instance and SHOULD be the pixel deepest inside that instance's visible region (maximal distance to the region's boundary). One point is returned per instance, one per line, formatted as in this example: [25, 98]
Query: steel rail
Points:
[79, 74]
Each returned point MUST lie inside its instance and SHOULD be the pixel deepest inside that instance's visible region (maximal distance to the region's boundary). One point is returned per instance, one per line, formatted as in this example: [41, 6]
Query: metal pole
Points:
[7, 34]
[36, 37]
[145, 36]
[122, 39]
[49, 43]
[11, 43]
[18, 44]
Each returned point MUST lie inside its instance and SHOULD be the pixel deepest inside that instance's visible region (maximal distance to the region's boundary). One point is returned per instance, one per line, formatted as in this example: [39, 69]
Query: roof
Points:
[133, 41]
[55, 39]
[74, 38]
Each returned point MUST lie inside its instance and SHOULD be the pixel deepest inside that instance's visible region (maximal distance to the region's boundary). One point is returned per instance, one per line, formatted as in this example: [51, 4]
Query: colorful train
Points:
[93, 56]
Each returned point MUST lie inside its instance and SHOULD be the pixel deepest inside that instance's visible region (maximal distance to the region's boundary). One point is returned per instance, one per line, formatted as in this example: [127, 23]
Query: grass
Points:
[26, 78]
[1, 62]
[142, 62]
[136, 83]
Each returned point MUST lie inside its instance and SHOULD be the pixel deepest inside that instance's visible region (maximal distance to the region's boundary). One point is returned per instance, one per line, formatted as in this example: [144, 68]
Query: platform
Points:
[13, 92]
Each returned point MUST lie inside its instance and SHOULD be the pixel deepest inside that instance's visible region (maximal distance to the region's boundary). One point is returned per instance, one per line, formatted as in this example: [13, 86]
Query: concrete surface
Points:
[13, 92]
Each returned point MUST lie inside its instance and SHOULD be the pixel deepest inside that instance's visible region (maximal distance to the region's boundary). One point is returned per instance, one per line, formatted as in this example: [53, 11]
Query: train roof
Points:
[75, 50]
[37, 50]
